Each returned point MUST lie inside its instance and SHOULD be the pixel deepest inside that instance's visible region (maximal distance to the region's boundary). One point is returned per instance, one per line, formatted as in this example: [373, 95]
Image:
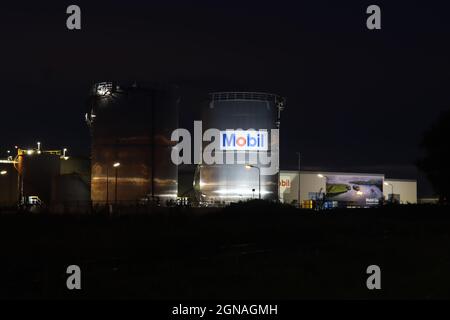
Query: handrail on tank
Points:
[262, 96]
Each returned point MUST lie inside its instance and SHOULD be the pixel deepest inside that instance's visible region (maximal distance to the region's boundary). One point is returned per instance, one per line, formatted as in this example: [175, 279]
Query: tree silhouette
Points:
[436, 162]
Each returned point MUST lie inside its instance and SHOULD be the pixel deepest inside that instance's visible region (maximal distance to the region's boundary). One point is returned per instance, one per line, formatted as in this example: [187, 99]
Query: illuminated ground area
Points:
[238, 252]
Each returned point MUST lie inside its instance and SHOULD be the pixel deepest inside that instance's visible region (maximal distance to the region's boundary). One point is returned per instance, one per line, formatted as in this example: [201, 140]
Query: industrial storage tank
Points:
[71, 189]
[131, 125]
[241, 180]
[36, 171]
[8, 183]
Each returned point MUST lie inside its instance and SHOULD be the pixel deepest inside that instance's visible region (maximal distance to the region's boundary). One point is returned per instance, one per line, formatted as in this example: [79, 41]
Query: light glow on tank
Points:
[240, 191]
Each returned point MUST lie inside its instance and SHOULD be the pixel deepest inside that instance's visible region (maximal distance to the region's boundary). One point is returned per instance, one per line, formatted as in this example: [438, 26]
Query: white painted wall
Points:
[309, 182]
[288, 186]
[407, 189]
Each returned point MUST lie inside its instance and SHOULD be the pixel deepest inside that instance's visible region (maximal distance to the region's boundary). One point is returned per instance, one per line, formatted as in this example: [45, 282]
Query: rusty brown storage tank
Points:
[222, 183]
[131, 125]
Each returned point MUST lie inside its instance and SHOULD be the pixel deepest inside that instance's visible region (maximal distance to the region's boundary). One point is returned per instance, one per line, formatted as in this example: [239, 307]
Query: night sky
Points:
[357, 100]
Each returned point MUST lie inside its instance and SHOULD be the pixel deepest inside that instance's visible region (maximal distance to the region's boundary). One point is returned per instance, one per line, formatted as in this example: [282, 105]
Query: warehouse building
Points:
[339, 189]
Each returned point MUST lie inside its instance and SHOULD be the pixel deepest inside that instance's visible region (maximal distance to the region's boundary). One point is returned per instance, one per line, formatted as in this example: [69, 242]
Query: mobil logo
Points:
[285, 182]
[244, 140]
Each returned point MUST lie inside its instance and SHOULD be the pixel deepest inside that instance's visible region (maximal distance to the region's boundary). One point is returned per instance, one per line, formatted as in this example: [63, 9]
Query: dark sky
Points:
[358, 100]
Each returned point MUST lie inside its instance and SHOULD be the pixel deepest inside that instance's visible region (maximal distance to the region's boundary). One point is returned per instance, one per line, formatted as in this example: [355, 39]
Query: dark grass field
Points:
[248, 251]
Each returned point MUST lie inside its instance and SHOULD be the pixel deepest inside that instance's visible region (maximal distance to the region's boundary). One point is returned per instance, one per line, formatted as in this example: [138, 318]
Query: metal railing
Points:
[259, 96]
